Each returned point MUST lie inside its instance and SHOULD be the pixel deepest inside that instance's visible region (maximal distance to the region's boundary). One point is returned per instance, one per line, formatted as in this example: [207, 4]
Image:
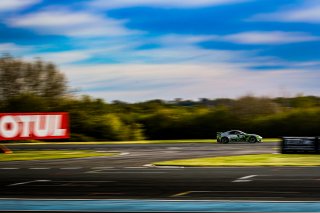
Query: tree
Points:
[39, 78]
[26, 103]
[248, 107]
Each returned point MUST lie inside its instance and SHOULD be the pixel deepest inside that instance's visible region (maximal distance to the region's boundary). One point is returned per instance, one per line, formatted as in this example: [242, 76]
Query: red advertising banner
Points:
[24, 126]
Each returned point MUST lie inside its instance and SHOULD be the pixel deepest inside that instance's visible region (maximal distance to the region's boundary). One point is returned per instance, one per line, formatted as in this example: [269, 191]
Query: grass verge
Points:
[249, 160]
[132, 142]
[49, 155]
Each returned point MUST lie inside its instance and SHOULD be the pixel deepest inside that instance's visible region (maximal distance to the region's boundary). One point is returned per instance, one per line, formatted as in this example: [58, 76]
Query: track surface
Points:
[126, 176]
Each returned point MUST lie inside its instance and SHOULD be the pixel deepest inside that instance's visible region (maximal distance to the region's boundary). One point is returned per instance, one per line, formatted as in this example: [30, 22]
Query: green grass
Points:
[49, 155]
[249, 160]
[134, 142]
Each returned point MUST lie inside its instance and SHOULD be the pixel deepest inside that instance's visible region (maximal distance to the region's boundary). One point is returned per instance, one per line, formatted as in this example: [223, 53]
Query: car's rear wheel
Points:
[252, 140]
[224, 140]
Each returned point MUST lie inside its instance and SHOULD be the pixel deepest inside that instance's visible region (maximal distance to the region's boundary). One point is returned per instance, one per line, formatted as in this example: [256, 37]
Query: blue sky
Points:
[135, 50]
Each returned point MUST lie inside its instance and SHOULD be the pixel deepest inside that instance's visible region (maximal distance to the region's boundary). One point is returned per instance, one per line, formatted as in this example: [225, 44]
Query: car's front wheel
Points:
[224, 140]
[252, 140]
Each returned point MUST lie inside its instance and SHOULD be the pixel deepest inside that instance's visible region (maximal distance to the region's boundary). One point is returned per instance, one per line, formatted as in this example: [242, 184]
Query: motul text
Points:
[23, 126]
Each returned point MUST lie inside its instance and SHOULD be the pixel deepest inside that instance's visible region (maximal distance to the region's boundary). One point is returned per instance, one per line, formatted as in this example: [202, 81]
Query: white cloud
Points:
[70, 23]
[178, 39]
[30, 53]
[272, 37]
[5, 47]
[137, 82]
[16, 50]
[187, 54]
[112, 4]
[12, 5]
[63, 57]
[168, 49]
[306, 13]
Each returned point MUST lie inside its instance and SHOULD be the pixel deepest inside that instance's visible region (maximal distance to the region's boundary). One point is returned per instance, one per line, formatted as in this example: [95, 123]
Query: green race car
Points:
[237, 136]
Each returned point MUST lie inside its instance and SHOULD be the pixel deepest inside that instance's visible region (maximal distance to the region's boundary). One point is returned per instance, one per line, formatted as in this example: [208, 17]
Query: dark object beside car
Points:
[300, 145]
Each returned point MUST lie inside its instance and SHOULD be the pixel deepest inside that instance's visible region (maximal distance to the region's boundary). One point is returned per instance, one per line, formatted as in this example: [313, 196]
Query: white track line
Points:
[39, 168]
[163, 167]
[33, 181]
[9, 168]
[149, 165]
[124, 153]
[135, 167]
[119, 171]
[84, 181]
[244, 179]
[247, 177]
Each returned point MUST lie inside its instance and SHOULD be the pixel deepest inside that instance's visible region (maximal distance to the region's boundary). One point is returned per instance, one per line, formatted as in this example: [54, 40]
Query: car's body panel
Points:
[237, 136]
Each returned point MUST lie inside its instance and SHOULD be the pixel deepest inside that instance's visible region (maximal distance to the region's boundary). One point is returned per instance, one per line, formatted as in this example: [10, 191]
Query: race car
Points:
[237, 136]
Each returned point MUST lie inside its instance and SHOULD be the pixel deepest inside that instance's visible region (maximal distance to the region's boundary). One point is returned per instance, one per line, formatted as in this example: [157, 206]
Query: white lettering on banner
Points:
[57, 124]
[26, 120]
[9, 127]
[33, 126]
[41, 125]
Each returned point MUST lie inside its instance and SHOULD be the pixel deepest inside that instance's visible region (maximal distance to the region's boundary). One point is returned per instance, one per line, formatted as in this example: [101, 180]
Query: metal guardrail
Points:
[300, 145]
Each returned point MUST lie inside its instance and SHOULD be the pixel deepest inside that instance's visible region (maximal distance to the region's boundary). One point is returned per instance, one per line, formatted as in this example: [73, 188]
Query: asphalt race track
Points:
[128, 176]
[140, 154]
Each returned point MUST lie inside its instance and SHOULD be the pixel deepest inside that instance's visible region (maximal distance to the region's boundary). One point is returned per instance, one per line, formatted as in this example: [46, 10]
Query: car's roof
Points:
[234, 130]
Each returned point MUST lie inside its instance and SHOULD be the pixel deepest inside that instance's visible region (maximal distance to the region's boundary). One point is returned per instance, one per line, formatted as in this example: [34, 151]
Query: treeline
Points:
[39, 87]
[95, 120]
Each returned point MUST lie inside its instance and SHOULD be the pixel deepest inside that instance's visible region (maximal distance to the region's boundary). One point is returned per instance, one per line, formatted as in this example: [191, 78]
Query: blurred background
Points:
[135, 70]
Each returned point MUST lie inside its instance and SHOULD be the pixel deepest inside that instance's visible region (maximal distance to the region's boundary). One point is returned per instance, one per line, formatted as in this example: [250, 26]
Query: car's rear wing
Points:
[219, 134]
